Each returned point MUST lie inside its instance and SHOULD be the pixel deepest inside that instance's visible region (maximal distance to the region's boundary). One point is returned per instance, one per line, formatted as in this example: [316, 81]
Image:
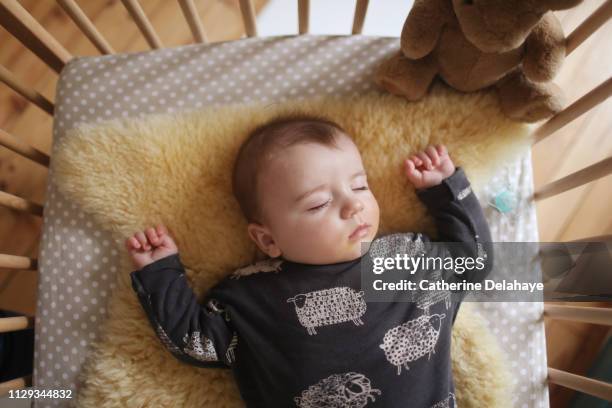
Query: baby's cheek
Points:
[310, 234]
[325, 235]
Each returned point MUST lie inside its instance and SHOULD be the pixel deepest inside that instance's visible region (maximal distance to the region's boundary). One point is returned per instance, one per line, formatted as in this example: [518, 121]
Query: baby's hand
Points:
[429, 167]
[150, 245]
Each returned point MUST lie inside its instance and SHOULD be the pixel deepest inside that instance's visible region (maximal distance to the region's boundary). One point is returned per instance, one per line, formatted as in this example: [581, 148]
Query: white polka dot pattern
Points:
[78, 260]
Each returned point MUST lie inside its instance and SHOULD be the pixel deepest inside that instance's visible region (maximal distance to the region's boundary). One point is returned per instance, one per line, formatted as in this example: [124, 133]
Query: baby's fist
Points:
[429, 167]
[150, 245]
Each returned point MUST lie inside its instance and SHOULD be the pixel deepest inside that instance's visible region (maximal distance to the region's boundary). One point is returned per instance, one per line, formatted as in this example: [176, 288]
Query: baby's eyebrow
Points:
[309, 192]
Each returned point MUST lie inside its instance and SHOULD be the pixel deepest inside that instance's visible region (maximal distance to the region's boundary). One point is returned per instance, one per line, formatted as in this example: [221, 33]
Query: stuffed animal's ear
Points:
[559, 4]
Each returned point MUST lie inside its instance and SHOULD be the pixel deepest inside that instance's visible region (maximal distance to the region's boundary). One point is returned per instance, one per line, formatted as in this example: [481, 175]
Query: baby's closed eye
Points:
[325, 204]
[320, 207]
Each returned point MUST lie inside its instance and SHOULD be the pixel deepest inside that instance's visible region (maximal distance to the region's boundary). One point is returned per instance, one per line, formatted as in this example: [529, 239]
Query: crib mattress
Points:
[78, 259]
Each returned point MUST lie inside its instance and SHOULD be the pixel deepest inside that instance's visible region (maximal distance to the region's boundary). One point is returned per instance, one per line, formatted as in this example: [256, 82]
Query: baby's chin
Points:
[355, 250]
[364, 247]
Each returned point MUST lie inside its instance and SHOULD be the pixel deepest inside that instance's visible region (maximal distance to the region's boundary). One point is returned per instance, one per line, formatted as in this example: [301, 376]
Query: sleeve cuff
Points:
[157, 274]
[454, 187]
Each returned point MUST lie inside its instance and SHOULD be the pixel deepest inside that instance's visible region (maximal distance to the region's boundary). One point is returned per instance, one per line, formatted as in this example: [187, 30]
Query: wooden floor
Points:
[579, 213]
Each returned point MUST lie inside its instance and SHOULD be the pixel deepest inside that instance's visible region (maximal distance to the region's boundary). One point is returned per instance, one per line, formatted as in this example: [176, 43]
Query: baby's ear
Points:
[263, 239]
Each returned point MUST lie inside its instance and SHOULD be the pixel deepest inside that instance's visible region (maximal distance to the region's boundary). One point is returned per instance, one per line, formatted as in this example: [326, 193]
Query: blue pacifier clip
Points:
[504, 201]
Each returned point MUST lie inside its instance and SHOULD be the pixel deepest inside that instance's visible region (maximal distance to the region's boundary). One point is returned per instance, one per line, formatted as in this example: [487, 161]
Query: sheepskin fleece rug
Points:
[176, 168]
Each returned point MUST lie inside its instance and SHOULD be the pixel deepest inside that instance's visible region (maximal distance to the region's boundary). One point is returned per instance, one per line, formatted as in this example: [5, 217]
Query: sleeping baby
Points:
[295, 328]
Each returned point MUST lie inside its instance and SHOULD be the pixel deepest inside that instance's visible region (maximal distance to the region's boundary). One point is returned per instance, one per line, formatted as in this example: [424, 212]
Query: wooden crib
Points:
[16, 20]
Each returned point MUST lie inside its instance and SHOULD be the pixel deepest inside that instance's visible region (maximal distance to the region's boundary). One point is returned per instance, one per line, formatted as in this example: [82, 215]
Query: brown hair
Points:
[265, 140]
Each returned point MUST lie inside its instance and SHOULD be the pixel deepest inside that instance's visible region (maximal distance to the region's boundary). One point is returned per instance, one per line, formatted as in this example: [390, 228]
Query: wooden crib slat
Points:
[579, 383]
[30, 33]
[248, 17]
[586, 175]
[193, 19]
[588, 26]
[86, 26]
[20, 204]
[361, 8]
[594, 315]
[33, 96]
[303, 16]
[17, 262]
[15, 384]
[15, 144]
[593, 98]
[16, 323]
[143, 23]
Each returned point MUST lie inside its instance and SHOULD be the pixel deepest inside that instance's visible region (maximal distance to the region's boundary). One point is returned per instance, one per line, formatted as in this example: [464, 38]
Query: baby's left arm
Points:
[447, 193]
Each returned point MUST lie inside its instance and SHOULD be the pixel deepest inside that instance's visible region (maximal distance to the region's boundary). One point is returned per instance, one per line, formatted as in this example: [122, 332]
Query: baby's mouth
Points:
[361, 231]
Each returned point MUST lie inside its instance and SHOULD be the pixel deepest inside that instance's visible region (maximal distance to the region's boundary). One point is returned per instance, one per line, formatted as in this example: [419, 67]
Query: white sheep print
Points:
[230, 353]
[412, 340]
[428, 298]
[199, 347]
[346, 390]
[329, 306]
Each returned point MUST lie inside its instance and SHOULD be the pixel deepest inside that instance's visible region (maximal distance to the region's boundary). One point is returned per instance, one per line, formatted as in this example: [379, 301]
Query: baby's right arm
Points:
[195, 334]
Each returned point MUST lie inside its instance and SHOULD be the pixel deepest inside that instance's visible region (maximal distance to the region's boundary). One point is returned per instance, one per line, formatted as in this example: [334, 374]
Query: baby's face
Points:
[313, 199]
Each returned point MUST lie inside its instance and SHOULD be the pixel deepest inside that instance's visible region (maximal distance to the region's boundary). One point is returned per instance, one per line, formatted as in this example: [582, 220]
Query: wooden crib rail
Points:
[361, 9]
[11, 324]
[588, 26]
[193, 20]
[26, 29]
[248, 17]
[18, 262]
[20, 147]
[303, 16]
[587, 102]
[576, 179]
[30, 94]
[596, 388]
[593, 315]
[20, 204]
[86, 26]
[590, 173]
[143, 23]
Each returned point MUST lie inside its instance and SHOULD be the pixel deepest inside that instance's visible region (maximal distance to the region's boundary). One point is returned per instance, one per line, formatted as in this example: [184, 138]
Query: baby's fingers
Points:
[415, 159]
[152, 235]
[140, 236]
[411, 171]
[441, 149]
[132, 243]
[426, 161]
[433, 155]
[162, 230]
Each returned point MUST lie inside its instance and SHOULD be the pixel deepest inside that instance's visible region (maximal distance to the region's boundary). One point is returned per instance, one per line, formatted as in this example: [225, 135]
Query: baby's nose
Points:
[352, 207]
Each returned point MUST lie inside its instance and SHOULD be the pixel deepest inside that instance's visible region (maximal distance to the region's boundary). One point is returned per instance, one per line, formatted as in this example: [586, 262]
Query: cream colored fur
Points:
[175, 169]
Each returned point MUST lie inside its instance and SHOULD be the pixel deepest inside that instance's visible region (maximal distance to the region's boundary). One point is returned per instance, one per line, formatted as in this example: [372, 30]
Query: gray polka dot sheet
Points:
[78, 259]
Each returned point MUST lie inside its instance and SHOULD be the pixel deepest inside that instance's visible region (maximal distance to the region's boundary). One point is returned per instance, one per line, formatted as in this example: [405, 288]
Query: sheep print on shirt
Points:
[302, 335]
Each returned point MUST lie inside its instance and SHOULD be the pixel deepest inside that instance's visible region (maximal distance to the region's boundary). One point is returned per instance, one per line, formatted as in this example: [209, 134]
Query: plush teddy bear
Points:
[516, 45]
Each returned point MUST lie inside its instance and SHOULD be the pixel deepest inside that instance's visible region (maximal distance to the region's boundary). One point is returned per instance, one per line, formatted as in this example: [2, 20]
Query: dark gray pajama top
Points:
[301, 335]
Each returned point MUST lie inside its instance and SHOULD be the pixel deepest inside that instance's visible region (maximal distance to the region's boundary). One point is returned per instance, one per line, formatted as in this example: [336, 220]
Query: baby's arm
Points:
[459, 218]
[194, 334]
